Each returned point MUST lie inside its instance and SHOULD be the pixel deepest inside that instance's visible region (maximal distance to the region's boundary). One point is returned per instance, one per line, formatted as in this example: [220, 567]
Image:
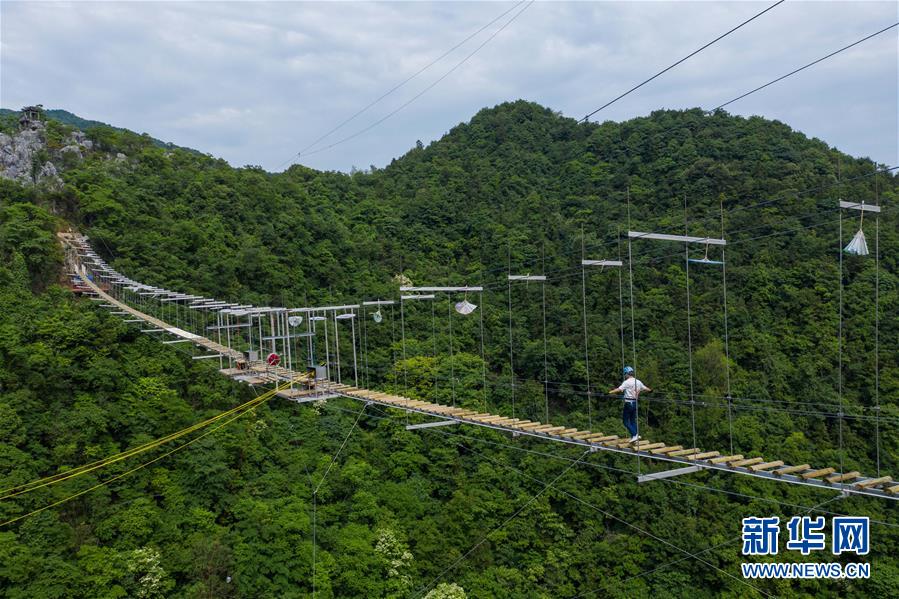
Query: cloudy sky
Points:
[256, 82]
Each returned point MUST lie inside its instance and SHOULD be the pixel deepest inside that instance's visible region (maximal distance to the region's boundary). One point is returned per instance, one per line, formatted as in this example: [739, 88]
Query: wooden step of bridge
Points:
[754, 465]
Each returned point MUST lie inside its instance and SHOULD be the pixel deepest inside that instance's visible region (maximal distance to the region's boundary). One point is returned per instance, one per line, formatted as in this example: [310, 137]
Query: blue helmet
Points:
[628, 370]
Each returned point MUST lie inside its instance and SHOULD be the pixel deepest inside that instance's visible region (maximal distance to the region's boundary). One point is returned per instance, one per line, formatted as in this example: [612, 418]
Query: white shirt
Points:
[632, 387]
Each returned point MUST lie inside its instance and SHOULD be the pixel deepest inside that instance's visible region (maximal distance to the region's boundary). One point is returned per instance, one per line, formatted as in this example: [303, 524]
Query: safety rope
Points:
[689, 325]
[877, 323]
[393, 343]
[586, 341]
[318, 486]
[403, 330]
[840, 343]
[434, 341]
[84, 469]
[511, 359]
[337, 348]
[630, 268]
[449, 308]
[256, 402]
[546, 487]
[327, 349]
[355, 367]
[620, 302]
[730, 420]
[366, 380]
[483, 355]
[545, 367]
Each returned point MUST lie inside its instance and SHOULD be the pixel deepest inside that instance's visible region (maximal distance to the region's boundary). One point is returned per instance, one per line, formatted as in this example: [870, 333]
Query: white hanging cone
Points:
[465, 307]
[858, 245]
[377, 316]
[294, 321]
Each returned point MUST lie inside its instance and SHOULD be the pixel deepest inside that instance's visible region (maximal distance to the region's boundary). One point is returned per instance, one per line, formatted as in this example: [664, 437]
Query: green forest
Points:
[456, 512]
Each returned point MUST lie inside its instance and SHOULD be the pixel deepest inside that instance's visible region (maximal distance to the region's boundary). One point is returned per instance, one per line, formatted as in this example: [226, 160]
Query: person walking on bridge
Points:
[632, 387]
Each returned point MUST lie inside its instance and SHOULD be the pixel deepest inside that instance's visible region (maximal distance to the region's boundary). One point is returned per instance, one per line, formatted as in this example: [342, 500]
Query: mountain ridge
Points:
[517, 189]
[69, 118]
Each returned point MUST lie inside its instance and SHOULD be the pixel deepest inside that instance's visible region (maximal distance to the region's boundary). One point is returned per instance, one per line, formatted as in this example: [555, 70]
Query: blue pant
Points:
[629, 417]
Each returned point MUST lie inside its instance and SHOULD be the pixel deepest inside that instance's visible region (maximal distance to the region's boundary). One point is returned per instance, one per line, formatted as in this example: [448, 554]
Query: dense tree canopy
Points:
[517, 189]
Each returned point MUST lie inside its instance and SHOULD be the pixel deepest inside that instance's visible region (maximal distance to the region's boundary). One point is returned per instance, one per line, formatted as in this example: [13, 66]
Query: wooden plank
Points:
[522, 427]
[388, 400]
[683, 452]
[838, 478]
[792, 469]
[623, 443]
[894, 490]
[493, 419]
[542, 428]
[703, 456]
[393, 398]
[651, 446]
[567, 432]
[601, 438]
[874, 481]
[643, 443]
[436, 411]
[726, 458]
[552, 430]
[667, 449]
[383, 399]
[766, 465]
[291, 393]
[583, 435]
[480, 417]
[464, 413]
[817, 473]
[400, 403]
[529, 426]
[634, 444]
[743, 463]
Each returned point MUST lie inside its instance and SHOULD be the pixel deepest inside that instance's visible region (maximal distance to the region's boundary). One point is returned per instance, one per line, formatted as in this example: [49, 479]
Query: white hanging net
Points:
[294, 321]
[377, 316]
[858, 245]
[465, 307]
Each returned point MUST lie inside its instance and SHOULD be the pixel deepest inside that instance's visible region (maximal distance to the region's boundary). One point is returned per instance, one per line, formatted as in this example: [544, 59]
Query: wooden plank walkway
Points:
[256, 373]
[260, 373]
[849, 482]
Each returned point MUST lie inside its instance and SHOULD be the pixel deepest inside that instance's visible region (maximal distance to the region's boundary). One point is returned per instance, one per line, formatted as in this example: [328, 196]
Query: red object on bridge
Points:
[273, 359]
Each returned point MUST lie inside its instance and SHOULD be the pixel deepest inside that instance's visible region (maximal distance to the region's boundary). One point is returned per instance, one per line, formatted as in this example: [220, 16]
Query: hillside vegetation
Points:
[520, 189]
[9, 123]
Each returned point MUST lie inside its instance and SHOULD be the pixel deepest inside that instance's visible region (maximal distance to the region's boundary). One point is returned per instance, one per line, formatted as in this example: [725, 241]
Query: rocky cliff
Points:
[26, 157]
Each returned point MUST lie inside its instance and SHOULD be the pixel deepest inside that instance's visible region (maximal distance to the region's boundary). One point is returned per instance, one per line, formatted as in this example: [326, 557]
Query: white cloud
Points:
[254, 82]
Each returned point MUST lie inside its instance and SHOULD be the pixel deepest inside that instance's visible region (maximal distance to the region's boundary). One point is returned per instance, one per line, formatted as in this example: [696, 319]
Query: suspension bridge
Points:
[264, 346]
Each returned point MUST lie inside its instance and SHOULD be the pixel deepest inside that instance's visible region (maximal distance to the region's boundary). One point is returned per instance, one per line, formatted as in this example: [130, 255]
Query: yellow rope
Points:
[257, 401]
[56, 478]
